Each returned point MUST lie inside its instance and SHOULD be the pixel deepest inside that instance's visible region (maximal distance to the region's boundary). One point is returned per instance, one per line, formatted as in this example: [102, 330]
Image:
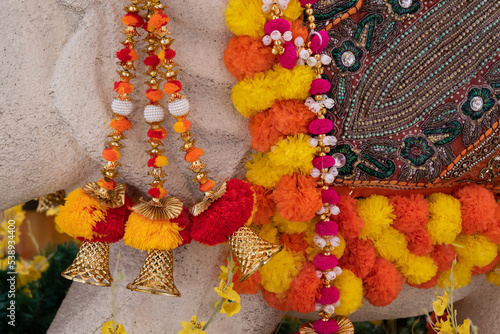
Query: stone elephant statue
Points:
[56, 92]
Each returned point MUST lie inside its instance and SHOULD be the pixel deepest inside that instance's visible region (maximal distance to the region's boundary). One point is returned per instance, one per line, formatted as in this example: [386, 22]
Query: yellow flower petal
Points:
[465, 327]
[223, 274]
[192, 327]
[444, 327]
[439, 306]
[107, 328]
[230, 308]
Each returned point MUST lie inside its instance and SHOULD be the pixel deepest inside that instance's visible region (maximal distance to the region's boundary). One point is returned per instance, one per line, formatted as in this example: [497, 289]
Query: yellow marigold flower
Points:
[444, 327]
[107, 328]
[465, 327]
[231, 304]
[439, 306]
[192, 327]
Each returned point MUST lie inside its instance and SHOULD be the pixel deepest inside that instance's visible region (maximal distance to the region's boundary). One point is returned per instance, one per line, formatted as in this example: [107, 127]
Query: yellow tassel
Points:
[293, 154]
[377, 214]
[475, 249]
[253, 95]
[351, 292]
[391, 245]
[417, 269]
[261, 172]
[80, 214]
[281, 270]
[146, 234]
[445, 222]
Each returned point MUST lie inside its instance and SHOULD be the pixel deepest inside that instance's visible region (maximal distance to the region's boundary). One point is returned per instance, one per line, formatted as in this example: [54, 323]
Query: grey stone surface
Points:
[58, 67]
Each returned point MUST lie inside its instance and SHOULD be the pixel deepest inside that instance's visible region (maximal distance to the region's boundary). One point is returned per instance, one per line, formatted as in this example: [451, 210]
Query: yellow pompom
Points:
[79, 214]
[494, 275]
[293, 154]
[339, 250]
[269, 233]
[253, 95]
[146, 234]
[261, 172]
[293, 11]
[475, 249]
[245, 17]
[281, 270]
[351, 292]
[161, 161]
[417, 269]
[462, 273]
[445, 222]
[288, 227]
[391, 245]
[376, 211]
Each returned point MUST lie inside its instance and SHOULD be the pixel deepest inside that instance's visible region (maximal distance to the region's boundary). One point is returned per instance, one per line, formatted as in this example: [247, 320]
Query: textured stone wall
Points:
[58, 67]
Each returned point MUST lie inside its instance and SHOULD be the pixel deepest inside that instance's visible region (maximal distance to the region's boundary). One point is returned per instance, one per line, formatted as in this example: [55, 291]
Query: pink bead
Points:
[281, 25]
[289, 58]
[323, 162]
[319, 44]
[325, 262]
[320, 86]
[326, 228]
[320, 126]
[329, 295]
[330, 196]
[326, 327]
[303, 3]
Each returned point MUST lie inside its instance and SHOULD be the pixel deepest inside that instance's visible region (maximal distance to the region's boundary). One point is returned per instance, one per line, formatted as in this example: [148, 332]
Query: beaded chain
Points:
[122, 105]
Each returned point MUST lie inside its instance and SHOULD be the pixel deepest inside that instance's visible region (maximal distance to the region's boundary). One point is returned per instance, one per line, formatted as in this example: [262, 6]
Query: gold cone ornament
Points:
[157, 275]
[91, 265]
[251, 251]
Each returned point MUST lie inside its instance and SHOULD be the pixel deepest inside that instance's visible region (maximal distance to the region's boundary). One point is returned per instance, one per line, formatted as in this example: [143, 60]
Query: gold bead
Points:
[312, 26]
[311, 19]
[308, 6]
[309, 11]
[326, 149]
[155, 150]
[318, 97]
[277, 42]
[274, 51]
[323, 217]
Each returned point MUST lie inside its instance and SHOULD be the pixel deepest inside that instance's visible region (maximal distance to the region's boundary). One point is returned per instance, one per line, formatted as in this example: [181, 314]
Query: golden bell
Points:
[157, 275]
[91, 265]
[251, 251]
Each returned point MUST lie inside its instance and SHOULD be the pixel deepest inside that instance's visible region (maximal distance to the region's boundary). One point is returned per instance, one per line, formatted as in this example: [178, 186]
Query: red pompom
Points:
[152, 162]
[412, 212]
[326, 327]
[289, 57]
[319, 41]
[320, 86]
[124, 55]
[133, 19]
[419, 242]
[320, 126]
[325, 262]
[265, 205]
[330, 196]
[328, 227]
[303, 3]
[184, 221]
[359, 257]
[304, 290]
[350, 223]
[154, 192]
[326, 161]
[297, 198]
[112, 228]
[169, 54]
[224, 216]
[329, 295]
[152, 61]
[157, 134]
[478, 208]
[383, 284]
[443, 256]
[281, 25]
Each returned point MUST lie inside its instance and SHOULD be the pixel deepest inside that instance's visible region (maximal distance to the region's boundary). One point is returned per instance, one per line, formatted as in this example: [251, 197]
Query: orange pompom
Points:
[350, 224]
[172, 87]
[123, 87]
[426, 285]
[298, 29]
[154, 95]
[412, 212]
[419, 242]
[207, 186]
[108, 185]
[304, 290]
[275, 301]
[163, 192]
[110, 154]
[133, 55]
[297, 198]
[265, 205]
[383, 284]
[284, 118]
[120, 124]
[157, 21]
[487, 268]
[193, 154]
[478, 208]
[250, 286]
[245, 56]
[443, 256]
[359, 257]
[295, 242]
[161, 161]
[181, 127]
